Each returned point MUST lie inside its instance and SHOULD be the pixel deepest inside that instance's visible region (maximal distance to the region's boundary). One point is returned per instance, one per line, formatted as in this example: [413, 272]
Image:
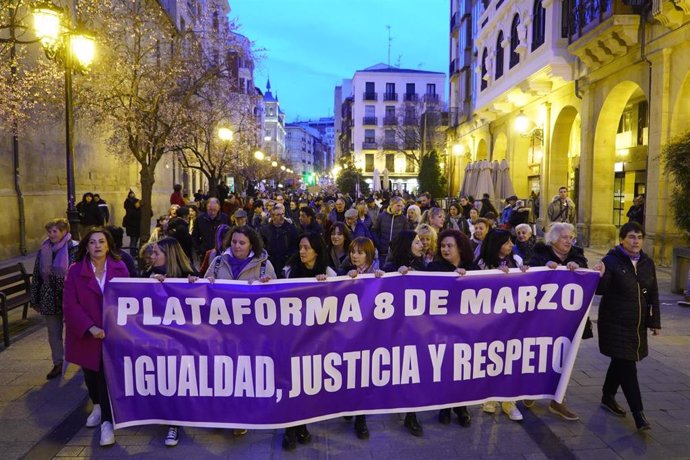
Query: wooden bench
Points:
[15, 292]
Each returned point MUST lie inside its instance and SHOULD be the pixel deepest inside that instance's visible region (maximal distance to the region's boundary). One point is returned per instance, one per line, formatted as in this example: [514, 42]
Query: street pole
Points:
[72, 213]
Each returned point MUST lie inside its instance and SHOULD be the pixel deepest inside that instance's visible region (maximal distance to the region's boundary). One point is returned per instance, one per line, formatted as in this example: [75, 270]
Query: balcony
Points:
[369, 146]
[390, 144]
[369, 96]
[671, 13]
[390, 97]
[431, 98]
[411, 97]
[390, 120]
[410, 120]
[453, 68]
[369, 121]
[600, 31]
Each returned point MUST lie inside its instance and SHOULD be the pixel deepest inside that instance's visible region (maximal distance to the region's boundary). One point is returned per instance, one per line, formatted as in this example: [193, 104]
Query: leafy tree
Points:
[676, 159]
[349, 177]
[430, 178]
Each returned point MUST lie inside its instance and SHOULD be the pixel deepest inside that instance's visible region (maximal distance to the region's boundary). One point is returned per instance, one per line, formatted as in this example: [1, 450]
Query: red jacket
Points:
[82, 305]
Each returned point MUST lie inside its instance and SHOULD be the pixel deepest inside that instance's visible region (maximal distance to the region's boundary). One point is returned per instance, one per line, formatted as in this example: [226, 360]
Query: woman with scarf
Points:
[96, 264]
[629, 306]
[56, 254]
[338, 240]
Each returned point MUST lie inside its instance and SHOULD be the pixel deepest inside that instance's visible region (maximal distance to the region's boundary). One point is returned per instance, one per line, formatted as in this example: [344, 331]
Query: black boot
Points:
[290, 438]
[444, 416]
[303, 435]
[361, 429]
[413, 425]
[609, 403]
[464, 416]
[641, 421]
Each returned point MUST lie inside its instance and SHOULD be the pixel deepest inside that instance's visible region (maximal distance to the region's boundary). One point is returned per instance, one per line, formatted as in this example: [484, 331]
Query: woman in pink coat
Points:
[95, 265]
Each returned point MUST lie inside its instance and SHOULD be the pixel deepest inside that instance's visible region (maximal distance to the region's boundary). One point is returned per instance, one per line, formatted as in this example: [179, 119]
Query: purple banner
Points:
[272, 355]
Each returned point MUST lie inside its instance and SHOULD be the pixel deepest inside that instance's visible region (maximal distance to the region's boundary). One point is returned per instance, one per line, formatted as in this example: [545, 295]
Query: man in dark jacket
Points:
[280, 239]
[629, 306]
[388, 225]
[205, 226]
[307, 221]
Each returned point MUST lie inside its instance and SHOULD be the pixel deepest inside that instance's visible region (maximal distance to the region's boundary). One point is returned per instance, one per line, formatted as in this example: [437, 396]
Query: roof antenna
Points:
[390, 39]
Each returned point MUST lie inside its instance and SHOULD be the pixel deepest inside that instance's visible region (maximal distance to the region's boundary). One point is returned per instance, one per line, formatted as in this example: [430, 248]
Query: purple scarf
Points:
[59, 264]
[237, 265]
[633, 258]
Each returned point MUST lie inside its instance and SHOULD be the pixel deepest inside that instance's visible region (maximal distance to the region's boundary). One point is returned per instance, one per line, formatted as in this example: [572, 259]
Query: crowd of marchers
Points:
[303, 235]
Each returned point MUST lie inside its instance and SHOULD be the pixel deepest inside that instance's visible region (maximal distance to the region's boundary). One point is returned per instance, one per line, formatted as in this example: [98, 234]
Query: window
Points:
[390, 111]
[390, 88]
[409, 88]
[369, 136]
[431, 89]
[499, 55]
[369, 162]
[369, 110]
[514, 41]
[484, 83]
[370, 88]
[409, 165]
[390, 162]
[642, 109]
[215, 21]
[538, 25]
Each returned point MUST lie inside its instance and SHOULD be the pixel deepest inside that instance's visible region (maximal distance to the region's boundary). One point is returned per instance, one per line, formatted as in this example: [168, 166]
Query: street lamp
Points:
[225, 134]
[274, 163]
[259, 155]
[75, 49]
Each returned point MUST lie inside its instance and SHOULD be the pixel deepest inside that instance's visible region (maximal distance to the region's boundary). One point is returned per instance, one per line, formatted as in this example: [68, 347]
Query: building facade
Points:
[385, 128]
[274, 126]
[599, 88]
[300, 146]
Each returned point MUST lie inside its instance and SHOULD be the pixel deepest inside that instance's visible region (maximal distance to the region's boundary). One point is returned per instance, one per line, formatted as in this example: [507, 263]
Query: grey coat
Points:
[220, 269]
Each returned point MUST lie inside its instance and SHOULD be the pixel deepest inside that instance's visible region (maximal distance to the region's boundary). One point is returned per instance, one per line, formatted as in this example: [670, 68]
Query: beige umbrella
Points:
[484, 182]
[377, 180]
[465, 180]
[504, 186]
[385, 179]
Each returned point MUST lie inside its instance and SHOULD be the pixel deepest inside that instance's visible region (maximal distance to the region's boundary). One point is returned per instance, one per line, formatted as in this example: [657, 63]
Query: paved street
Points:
[41, 419]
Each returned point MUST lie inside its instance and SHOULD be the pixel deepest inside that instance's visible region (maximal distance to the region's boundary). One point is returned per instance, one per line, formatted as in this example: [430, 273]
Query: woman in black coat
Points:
[453, 254]
[407, 253]
[629, 305]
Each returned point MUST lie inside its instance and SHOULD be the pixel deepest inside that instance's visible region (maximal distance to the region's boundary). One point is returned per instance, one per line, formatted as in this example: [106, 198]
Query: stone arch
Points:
[680, 121]
[482, 150]
[564, 153]
[500, 147]
[606, 162]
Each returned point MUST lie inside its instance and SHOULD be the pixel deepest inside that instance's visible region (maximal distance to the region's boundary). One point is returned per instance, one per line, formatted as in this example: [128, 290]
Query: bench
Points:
[15, 292]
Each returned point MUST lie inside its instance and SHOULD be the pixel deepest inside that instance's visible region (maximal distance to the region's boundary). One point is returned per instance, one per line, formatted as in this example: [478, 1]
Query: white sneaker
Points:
[511, 410]
[173, 436]
[94, 418]
[107, 434]
[489, 407]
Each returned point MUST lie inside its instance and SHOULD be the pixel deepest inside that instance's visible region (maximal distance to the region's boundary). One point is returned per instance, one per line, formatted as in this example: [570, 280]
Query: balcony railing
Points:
[431, 98]
[410, 97]
[369, 121]
[390, 96]
[390, 145]
[390, 120]
[453, 67]
[369, 96]
[369, 146]
[587, 14]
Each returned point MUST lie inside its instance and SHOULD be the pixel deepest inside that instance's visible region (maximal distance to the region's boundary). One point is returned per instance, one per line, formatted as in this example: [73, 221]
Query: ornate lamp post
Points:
[74, 49]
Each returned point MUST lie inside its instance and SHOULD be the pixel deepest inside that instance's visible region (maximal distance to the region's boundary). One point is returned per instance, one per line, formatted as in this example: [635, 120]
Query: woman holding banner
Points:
[629, 306]
[96, 264]
[454, 254]
[169, 260]
[497, 253]
[407, 253]
[559, 250]
[310, 261]
[361, 260]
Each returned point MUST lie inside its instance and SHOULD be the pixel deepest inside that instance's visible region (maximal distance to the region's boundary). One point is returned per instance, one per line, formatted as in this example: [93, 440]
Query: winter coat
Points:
[636, 214]
[204, 233]
[132, 222]
[629, 305]
[178, 228]
[543, 253]
[386, 228]
[82, 305]
[220, 269]
[89, 214]
[561, 212]
[487, 207]
[280, 243]
[458, 223]
[525, 249]
[445, 266]
[46, 298]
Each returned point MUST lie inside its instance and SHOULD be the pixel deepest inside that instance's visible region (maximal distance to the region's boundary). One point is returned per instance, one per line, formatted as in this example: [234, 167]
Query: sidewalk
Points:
[41, 419]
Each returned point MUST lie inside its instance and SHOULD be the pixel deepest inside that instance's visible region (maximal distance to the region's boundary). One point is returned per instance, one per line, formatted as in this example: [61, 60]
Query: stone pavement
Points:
[44, 419]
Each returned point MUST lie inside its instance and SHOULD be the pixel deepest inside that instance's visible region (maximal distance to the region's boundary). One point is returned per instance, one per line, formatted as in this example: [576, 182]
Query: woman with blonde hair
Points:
[435, 217]
[428, 236]
[414, 216]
